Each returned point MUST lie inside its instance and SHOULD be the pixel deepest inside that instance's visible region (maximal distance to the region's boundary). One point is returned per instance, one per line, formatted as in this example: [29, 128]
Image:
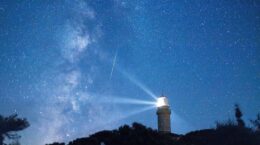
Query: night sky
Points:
[73, 68]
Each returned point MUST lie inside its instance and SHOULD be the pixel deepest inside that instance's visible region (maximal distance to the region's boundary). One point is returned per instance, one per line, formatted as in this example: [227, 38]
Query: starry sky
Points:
[73, 68]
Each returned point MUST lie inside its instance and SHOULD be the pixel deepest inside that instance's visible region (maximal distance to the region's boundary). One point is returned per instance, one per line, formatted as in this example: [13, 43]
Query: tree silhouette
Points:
[256, 122]
[239, 115]
[56, 143]
[9, 125]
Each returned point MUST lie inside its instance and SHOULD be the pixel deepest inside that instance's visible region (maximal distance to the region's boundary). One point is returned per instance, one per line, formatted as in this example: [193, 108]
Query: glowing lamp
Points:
[162, 101]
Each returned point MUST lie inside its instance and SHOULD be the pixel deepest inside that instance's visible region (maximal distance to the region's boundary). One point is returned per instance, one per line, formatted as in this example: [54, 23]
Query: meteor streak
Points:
[113, 65]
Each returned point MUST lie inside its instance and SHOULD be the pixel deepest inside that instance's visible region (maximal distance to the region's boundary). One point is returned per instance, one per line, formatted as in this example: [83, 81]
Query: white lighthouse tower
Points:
[164, 115]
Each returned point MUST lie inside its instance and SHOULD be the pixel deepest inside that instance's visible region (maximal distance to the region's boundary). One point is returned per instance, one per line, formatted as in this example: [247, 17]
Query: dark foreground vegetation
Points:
[9, 126]
[225, 133]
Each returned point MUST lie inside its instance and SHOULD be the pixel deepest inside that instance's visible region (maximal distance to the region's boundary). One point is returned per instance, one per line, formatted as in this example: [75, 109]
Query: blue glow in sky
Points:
[75, 68]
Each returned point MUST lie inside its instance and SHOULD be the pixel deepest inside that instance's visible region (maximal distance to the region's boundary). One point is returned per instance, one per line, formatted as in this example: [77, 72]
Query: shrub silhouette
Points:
[56, 143]
[11, 124]
[256, 122]
[226, 133]
[239, 115]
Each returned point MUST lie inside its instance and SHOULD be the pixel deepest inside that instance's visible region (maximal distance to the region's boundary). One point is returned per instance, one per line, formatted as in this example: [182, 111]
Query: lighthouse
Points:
[163, 114]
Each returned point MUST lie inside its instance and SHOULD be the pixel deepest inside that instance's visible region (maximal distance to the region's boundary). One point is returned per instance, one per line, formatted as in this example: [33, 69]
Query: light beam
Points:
[139, 84]
[123, 100]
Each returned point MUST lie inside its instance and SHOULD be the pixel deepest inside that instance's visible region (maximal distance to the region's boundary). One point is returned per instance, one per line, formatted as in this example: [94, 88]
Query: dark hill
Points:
[227, 133]
[138, 134]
